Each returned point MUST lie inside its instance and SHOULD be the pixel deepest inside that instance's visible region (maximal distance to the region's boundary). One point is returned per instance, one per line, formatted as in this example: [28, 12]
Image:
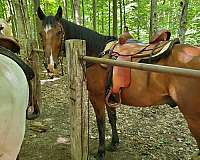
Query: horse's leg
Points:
[99, 108]
[194, 126]
[112, 120]
[33, 101]
[191, 113]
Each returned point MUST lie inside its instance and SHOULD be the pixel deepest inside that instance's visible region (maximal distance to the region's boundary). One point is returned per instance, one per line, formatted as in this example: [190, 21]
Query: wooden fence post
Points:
[78, 99]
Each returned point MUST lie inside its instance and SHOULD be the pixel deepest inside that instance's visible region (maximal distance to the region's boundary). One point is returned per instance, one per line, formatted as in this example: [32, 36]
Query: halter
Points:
[62, 47]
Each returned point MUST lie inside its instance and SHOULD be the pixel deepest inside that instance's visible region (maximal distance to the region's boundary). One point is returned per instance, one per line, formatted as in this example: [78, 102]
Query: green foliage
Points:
[137, 15]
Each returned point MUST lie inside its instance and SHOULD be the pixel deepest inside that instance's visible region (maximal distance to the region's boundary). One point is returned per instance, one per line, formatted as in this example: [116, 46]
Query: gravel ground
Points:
[154, 133]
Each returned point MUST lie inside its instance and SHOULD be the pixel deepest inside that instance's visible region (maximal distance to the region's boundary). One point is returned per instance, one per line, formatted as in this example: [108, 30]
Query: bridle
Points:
[61, 50]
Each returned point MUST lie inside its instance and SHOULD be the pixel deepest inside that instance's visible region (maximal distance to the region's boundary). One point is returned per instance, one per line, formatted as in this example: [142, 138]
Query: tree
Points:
[22, 24]
[77, 17]
[114, 17]
[183, 20]
[94, 14]
[153, 19]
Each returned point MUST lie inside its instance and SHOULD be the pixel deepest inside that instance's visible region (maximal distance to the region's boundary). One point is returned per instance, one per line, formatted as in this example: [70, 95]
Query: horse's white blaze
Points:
[14, 100]
[51, 59]
[47, 28]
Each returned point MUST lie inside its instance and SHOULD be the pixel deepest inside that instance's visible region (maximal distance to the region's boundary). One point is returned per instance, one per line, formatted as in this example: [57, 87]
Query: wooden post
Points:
[78, 99]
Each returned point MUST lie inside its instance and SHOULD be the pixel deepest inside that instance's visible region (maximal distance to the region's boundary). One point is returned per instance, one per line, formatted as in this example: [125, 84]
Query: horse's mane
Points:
[95, 42]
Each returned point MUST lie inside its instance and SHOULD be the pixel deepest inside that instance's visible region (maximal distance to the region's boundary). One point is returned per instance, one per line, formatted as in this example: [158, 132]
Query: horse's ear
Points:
[41, 14]
[59, 13]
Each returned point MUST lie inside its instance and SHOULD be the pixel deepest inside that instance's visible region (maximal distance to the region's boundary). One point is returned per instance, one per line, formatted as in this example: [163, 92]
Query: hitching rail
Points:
[145, 67]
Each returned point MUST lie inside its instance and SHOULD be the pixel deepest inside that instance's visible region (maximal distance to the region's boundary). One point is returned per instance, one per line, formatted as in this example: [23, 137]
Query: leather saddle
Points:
[8, 47]
[159, 47]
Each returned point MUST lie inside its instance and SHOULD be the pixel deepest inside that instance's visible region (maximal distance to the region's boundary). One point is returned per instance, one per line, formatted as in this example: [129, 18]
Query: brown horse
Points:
[144, 90]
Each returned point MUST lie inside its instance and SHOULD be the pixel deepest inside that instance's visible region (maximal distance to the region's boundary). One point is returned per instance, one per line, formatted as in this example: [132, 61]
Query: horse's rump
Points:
[12, 108]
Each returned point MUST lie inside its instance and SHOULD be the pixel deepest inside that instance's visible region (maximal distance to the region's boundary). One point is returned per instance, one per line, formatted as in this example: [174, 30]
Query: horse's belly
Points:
[145, 90]
[13, 103]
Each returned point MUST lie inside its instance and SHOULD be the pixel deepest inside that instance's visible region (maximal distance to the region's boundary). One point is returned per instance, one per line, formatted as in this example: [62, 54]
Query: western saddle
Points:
[119, 77]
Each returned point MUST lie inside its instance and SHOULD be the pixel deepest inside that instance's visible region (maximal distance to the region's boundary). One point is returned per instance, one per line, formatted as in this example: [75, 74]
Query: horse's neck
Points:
[95, 42]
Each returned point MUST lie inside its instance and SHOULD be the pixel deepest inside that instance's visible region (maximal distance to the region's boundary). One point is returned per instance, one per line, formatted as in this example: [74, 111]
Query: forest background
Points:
[108, 17]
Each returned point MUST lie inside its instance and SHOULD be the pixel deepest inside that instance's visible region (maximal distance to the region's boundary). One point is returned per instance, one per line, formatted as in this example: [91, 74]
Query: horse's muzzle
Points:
[52, 71]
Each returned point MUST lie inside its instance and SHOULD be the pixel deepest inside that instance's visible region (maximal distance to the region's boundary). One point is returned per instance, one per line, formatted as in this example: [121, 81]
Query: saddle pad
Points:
[121, 75]
[27, 70]
[106, 49]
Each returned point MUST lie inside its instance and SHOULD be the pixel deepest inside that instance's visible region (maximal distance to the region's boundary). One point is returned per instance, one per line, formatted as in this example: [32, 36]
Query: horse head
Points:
[52, 35]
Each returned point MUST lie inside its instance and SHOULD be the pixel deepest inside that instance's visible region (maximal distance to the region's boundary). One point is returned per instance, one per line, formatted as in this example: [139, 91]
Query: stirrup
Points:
[115, 104]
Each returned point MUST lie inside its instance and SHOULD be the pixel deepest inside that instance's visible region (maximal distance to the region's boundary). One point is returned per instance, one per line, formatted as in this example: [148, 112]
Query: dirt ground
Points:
[155, 133]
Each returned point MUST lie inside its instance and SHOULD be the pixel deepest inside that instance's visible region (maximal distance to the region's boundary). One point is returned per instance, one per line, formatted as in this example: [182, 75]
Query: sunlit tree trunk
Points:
[77, 16]
[153, 19]
[65, 9]
[183, 20]
[13, 19]
[22, 28]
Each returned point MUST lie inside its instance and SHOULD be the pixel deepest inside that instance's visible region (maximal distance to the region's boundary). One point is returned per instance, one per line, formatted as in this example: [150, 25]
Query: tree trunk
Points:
[65, 5]
[13, 19]
[109, 17]
[102, 21]
[138, 18]
[77, 17]
[114, 17]
[94, 14]
[153, 19]
[22, 28]
[183, 20]
[124, 12]
[121, 16]
[36, 4]
[83, 13]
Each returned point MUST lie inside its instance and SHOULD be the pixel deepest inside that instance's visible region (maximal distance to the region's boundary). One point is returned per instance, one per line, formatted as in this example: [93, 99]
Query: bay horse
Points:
[160, 88]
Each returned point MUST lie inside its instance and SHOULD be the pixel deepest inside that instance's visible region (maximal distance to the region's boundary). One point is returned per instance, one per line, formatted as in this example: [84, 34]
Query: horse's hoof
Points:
[32, 116]
[100, 156]
[112, 147]
[196, 156]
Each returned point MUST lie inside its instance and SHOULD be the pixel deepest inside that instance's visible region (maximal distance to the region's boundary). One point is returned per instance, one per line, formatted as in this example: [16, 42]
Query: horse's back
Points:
[14, 101]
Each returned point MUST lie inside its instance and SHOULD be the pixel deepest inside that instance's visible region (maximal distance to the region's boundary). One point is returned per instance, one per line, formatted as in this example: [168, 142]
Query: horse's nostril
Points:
[48, 70]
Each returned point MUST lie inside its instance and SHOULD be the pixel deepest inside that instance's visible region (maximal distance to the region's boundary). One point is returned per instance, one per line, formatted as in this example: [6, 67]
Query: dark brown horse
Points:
[160, 89]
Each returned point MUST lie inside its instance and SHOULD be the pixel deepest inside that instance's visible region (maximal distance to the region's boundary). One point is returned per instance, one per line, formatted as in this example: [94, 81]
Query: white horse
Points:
[14, 93]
